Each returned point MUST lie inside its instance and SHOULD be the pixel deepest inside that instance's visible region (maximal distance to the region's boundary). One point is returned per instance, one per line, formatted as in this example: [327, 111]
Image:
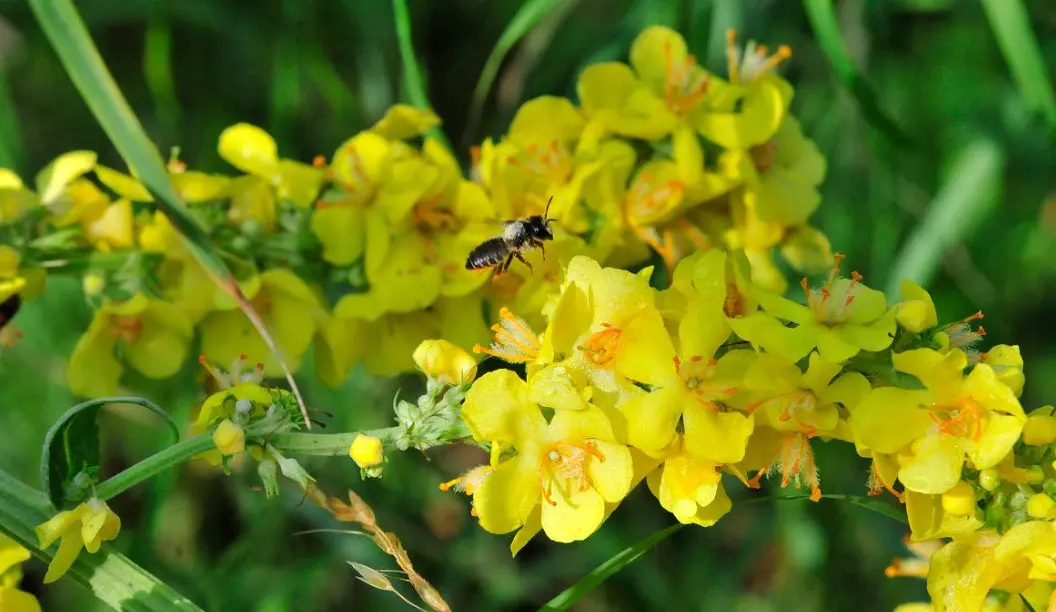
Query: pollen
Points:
[470, 481]
[126, 328]
[754, 62]
[601, 347]
[685, 84]
[513, 340]
[648, 200]
[876, 485]
[964, 419]
[566, 462]
[696, 374]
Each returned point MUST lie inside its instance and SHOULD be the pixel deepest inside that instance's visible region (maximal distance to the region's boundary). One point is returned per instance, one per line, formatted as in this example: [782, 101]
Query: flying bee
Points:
[517, 237]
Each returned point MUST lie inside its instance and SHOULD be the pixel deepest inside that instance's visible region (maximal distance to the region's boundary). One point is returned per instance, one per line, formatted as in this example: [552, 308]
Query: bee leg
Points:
[542, 248]
[522, 260]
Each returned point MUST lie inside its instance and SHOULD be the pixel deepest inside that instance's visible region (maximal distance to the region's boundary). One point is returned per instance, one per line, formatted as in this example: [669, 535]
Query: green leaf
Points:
[1011, 24]
[972, 187]
[413, 82]
[604, 571]
[72, 447]
[822, 18]
[110, 576]
[530, 13]
[68, 35]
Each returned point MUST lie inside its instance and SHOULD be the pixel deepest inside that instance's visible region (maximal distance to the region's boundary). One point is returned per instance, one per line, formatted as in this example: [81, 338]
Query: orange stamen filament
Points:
[565, 461]
[552, 163]
[127, 328]
[795, 459]
[682, 90]
[601, 348]
[514, 341]
[968, 420]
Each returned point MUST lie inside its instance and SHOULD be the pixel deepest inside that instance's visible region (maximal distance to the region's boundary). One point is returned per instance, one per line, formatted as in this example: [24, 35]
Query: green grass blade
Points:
[530, 13]
[413, 82]
[67, 33]
[1011, 24]
[822, 18]
[603, 572]
[110, 576]
[12, 151]
[874, 504]
[971, 188]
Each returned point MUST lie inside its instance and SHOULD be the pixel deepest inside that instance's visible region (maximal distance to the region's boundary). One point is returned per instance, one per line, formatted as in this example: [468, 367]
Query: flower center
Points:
[428, 218]
[126, 328]
[696, 375]
[685, 84]
[601, 348]
[238, 373]
[763, 156]
[964, 419]
[799, 404]
[647, 201]
[514, 341]
[830, 302]
[755, 61]
[566, 462]
[552, 163]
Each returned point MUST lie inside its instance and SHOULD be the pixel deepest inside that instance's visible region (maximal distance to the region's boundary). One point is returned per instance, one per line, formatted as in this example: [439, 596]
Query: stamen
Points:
[565, 461]
[470, 481]
[733, 56]
[601, 347]
[514, 340]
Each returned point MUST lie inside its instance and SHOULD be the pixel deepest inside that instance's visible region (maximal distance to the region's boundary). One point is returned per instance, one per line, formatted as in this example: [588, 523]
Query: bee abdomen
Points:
[487, 254]
[9, 308]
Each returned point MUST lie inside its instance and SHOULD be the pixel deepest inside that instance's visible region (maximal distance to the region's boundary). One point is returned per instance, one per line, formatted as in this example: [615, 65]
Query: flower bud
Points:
[959, 500]
[93, 284]
[917, 312]
[366, 451]
[1008, 366]
[989, 479]
[445, 362]
[1039, 430]
[1040, 506]
[230, 439]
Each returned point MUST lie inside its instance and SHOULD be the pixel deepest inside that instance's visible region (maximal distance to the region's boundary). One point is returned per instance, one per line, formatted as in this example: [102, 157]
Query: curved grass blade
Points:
[530, 13]
[412, 73]
[869, 503]
[110, 576]
[1011, 24]
[65, 29]
[823, 20]
[603, 572]
[971, 188]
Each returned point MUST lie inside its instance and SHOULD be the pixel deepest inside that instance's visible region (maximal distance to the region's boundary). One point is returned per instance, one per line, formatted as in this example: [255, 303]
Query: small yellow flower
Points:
[571, 466]
[154, 337]
[85, 527]
[916, 311]
[841, 318]
[366, 451]
[445, 362]
[111, 228]
[229, 439]
[253, 151]
[1040, 506]
[960, 500]
[690, 488]
[12, 555]
[1040, 428]
[1008, 365]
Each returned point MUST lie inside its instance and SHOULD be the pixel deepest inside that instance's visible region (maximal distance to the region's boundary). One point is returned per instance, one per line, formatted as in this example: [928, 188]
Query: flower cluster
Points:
[717, 374]
[359, 257]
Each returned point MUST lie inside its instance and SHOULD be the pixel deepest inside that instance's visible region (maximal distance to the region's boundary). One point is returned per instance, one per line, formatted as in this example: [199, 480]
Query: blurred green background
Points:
[969, 207]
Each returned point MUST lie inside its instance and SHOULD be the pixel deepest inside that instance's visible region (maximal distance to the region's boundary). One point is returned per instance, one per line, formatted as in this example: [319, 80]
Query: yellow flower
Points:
[366, 451]
[229, 439]
[152, 335]
[698, 388]
[111, 228]
[402, 121]
[15, 199]
[11, 282]
[290, 310]
[55, 181]
[841, 318]
[1008, 365]
[916, 311]
[965, 570]
[935, 428]
[1040, 428]
[942, 516]
[85, 527]
[445, 362]
[193, 187]
[571, 466]
[690, 488]
[12, 555]
[253, 151]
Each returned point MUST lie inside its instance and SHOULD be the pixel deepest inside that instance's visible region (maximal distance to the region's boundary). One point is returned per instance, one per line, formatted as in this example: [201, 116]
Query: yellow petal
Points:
[361, 162]
[532, 526]
[497, 408]
[807, 250]
[999, 435]
[123, 184]
[250, 149]
[916, 312]
[557, 386]
[298, 183]
[546, 118]
[53, 180]
[196, 187]
[888, 418]
[652, 417]
[162, 346]
[936, 467]
[114, 228]
[703, 328]
[719, 437]
[605, 85]
[69, 549]
[612, 478]
[653, 51]
[792, 343]
[575, 513]
[52, 529]
[506, 498]
[14, 600]
[942, 373]
[645, 351]
[984, 387]
[93, 371]
[762, 112]
[340, 230]
[402, 121]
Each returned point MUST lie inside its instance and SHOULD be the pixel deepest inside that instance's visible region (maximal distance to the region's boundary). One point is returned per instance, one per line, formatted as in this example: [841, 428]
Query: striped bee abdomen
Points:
[487, 254]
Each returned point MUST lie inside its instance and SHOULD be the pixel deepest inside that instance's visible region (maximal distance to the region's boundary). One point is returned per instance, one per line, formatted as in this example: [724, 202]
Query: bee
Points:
[8, 309]
[517, 237]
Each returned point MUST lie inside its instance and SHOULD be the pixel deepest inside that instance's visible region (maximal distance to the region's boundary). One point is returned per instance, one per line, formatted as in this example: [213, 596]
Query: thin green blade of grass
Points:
[822, 17]
[110, 576]
[603, 572]
[12, 150]
[65, 29]
[413, 82]
[1011, 24]
[971, 188]
[526, 18]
